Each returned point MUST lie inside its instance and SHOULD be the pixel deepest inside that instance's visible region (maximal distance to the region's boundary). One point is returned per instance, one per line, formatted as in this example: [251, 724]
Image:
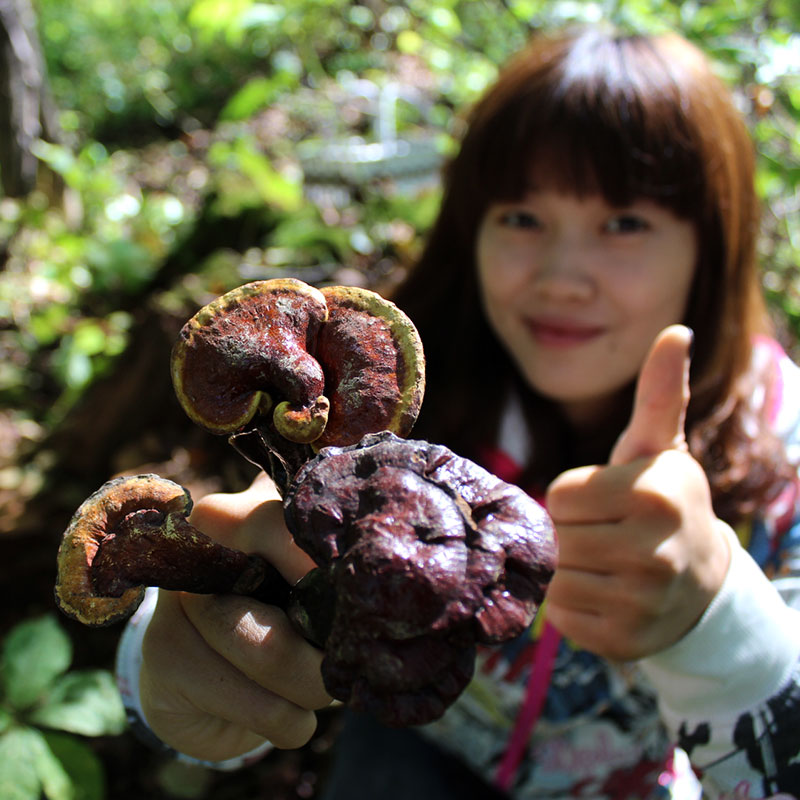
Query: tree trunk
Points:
[26, 110]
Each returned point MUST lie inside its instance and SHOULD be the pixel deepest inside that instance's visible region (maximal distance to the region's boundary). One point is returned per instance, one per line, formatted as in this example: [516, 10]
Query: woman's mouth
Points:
[561, 333]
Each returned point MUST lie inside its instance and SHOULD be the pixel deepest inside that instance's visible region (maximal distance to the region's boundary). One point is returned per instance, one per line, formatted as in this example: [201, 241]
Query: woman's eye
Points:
[519, 219]
[627, 223]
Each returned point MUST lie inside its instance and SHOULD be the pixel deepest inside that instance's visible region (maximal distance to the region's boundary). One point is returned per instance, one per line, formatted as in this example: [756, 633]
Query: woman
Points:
[602, 194]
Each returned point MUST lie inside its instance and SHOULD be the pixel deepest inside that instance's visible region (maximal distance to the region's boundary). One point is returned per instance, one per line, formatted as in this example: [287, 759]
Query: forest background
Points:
[154, 155]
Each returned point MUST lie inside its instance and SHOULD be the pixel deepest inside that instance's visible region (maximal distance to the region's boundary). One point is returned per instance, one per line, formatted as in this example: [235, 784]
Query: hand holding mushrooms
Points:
[400, 557]
[221, 673]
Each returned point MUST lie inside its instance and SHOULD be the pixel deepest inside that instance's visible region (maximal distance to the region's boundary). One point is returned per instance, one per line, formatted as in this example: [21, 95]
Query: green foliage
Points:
[187, 116]
[69, 270]
[42, 707]
[177, 107]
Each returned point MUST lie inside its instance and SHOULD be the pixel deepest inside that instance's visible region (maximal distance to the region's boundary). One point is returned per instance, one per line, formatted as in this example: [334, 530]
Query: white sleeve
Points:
[742, 653]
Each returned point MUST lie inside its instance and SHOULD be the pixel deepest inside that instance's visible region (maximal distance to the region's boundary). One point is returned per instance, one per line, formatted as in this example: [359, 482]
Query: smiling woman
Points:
[626, 127]
[603, 192]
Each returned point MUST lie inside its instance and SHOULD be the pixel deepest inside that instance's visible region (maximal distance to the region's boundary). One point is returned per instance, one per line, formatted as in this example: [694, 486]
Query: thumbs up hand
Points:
[641, 552]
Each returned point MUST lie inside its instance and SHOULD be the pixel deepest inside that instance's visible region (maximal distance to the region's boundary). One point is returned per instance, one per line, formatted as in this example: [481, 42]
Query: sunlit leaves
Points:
[259, 79]
[85, 702]
[242, 161]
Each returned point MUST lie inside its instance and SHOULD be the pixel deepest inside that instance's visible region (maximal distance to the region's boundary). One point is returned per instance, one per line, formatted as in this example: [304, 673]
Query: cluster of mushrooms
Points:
[421, 555]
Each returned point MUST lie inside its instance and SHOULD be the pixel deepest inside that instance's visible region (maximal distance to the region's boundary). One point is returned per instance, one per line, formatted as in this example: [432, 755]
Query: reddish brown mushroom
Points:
[374, 366]
[421, 554]
[330, 366]
[133, 533]
[248, 353]
[428, 554]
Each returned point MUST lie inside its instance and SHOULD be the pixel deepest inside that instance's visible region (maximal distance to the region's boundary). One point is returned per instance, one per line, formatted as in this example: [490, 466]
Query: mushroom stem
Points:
[263, 446]
[134, 532]
[312, 604]
[152, 548]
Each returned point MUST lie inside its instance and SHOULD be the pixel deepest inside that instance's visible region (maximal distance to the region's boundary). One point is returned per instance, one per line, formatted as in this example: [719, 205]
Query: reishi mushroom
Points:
[133, 533]
[374, 365]
[428, 555]
[421, 554]
[239, 351]
[329, 365]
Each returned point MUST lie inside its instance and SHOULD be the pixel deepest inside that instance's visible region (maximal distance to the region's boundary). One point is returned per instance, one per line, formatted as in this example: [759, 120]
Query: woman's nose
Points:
[564, 273]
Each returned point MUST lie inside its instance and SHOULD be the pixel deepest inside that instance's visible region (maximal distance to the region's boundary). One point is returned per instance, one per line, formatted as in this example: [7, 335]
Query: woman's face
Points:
[577, 290]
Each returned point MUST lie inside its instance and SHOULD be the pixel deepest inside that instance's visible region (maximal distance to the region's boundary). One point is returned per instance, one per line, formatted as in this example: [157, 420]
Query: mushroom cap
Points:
[430, 555]
[374, 366]
[97, 517]
[331, 365]
[247, 351]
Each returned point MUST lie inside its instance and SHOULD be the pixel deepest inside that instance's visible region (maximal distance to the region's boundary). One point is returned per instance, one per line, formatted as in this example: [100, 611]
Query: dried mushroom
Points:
[299, 365]
[133, 533]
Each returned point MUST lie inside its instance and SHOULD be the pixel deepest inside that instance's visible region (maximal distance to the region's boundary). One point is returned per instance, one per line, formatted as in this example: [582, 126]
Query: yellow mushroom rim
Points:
[303, 425]
[257, 350]
[97, 516]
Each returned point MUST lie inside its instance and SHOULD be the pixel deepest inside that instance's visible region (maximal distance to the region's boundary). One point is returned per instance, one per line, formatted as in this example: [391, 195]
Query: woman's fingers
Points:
[662, 397]
[252, 521]
[201, 703]
[261, 643]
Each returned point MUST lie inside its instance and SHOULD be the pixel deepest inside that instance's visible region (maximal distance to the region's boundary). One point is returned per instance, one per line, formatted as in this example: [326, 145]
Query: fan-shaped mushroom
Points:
[330, 365]
[428, 554]
[421, 554]
[248, 352]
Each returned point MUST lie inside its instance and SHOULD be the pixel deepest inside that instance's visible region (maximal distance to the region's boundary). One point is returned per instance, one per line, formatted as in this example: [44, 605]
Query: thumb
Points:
[662, 396]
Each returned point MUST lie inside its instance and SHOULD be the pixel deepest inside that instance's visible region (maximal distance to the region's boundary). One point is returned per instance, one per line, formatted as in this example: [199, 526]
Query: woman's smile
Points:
[561, 333]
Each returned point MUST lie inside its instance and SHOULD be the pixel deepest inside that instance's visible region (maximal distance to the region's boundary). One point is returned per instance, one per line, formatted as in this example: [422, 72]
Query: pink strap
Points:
[535, 693]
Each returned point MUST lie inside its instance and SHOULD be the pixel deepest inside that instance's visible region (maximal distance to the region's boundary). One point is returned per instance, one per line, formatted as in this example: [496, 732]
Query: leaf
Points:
[86, 702]
[34, 654]
[258, 93]
[56, 783]
[81, 764]
[61, 160]
[19, 777]
[211, 17]
[6, 720]
[273, 187]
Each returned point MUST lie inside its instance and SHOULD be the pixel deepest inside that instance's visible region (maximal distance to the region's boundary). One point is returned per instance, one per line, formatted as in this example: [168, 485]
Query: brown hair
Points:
[631, 117]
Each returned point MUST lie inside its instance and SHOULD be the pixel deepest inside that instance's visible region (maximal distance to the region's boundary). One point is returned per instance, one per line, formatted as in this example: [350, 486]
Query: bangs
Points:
[608, 119]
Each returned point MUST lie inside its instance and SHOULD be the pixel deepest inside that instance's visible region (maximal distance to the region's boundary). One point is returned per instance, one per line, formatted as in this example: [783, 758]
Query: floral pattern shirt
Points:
[717, 713]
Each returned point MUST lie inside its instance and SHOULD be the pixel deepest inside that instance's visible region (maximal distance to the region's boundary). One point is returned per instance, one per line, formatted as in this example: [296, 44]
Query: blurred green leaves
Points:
[247, 177]
[43, 707]
[173, 104]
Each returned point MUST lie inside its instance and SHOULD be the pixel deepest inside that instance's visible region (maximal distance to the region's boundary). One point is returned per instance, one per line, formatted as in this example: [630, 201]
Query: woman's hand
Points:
[222, 673]
[641, 553]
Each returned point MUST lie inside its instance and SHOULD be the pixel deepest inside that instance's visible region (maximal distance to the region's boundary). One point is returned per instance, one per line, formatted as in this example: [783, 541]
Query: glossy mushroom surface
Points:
[322, 367]
[429, 555]
[94, 520]
[247, 353]
[421, 555]
[134, 533]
